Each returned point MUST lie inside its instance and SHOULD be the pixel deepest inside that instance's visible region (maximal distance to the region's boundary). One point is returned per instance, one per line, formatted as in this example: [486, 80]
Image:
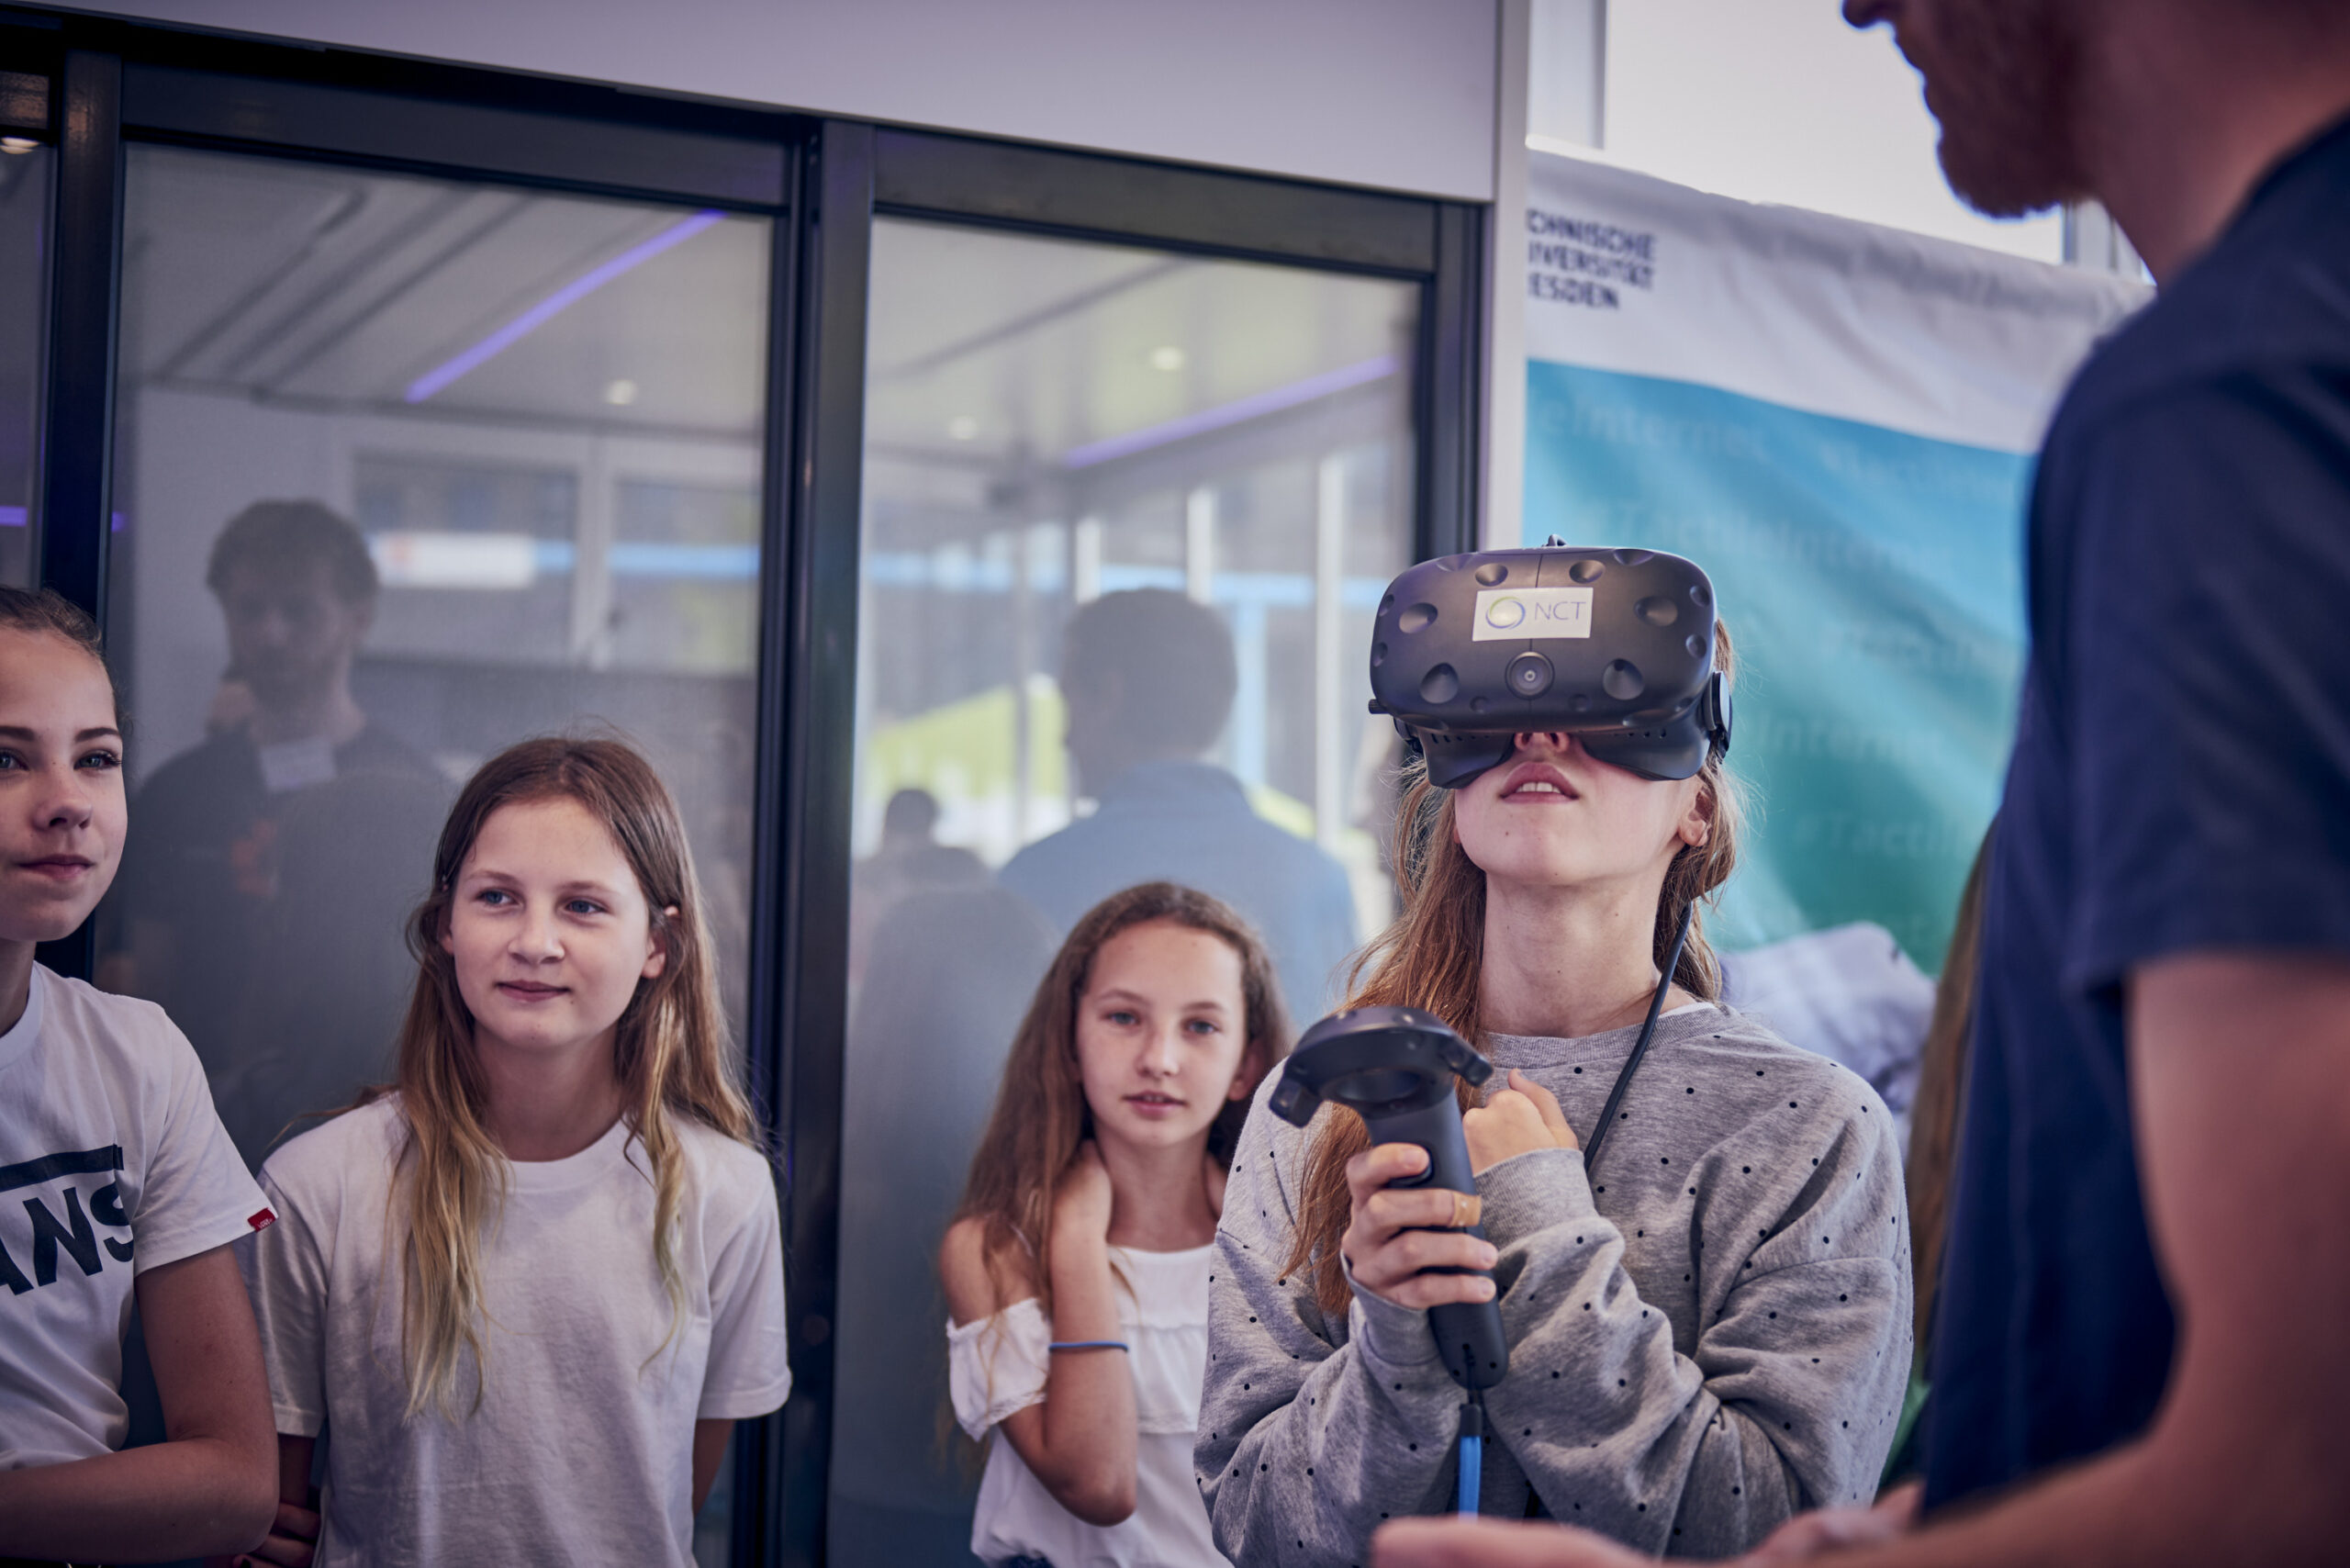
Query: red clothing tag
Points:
[262, 1220]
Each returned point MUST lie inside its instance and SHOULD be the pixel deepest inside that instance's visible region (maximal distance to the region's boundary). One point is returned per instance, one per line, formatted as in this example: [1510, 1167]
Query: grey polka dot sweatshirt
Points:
[1708, 1333]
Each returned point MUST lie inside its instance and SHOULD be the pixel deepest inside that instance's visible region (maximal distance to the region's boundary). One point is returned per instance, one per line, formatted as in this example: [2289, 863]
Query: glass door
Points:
[407, 469]
[1126, 517]
[26, 169]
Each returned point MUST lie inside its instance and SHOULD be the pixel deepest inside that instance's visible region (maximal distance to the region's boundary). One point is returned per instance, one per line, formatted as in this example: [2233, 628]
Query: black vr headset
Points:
[1615, 646]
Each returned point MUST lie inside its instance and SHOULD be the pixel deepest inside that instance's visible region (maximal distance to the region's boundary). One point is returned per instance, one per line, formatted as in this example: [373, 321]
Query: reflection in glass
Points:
[408, 469]
[24, 306]
[1127, 519]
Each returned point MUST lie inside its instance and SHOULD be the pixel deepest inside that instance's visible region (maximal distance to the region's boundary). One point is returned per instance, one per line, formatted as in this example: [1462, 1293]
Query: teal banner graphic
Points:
[1871, 581]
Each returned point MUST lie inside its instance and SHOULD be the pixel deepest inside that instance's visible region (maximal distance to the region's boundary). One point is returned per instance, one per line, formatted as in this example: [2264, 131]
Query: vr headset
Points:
[1615, 646]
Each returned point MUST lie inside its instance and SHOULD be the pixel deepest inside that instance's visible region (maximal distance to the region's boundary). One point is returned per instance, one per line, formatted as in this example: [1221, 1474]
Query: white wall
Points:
[1395, 93]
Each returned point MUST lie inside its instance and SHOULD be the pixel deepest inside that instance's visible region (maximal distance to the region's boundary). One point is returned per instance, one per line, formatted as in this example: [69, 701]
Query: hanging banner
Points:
[1837, 422]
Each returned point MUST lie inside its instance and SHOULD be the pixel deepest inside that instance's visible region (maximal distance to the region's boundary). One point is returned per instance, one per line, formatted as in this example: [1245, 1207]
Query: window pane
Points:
[1198, 474]
[407, 469]
[24, 307]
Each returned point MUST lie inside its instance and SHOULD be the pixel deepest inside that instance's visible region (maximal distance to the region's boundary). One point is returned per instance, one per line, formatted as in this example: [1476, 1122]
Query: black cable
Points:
[1640, 1050]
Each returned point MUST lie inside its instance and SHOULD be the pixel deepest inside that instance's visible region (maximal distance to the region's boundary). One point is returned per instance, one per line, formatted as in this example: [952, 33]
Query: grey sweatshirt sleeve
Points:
[1790, 1394]
[1780, 1252]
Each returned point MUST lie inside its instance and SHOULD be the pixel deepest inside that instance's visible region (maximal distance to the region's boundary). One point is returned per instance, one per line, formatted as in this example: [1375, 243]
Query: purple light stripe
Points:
[21, 517]
[1254, 406]
[554, 304]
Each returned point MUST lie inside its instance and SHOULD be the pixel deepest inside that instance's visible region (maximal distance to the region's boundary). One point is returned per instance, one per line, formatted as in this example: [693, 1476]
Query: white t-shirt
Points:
[112, 1161]
[581, 1450]
[998, 1365]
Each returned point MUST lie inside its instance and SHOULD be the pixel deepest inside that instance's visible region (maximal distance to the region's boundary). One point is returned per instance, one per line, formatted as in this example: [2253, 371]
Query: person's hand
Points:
[293, 1537]
[1807, 1536]
[1081, 1201]
[1454, 1542]
[1388, 1243]
[1517, 1120]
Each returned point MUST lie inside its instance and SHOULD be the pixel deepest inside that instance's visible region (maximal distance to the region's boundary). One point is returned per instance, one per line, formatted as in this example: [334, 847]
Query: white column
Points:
[2096, 243]
[1331, 686]
[594, 528]
[1503, 486]
[1199, 544]
[1085, 561]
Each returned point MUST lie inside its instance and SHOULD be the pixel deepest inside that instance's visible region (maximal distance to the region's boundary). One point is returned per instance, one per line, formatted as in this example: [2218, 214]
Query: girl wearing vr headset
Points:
[1077, 1268]
[528, 1291]
[1708, 1331]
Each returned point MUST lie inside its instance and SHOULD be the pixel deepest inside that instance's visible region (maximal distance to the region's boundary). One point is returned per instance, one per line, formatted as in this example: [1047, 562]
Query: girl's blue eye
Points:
[1204, 1027]
[10, 759]
[583, 906]
[492, 895]
[1120, 1016]
[101, 761]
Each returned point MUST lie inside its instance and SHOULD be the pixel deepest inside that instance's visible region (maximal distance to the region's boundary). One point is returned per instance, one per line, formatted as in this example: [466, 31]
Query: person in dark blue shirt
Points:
[1148, 678]
[2139, 1355]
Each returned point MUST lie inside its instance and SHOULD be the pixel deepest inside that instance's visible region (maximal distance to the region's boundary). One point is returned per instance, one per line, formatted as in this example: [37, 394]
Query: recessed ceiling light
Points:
[620, 394]
[962, 427]
[1166, 357]
[18, 144]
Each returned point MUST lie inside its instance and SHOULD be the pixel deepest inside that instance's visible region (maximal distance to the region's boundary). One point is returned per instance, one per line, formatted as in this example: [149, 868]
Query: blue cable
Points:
[1472, 1450]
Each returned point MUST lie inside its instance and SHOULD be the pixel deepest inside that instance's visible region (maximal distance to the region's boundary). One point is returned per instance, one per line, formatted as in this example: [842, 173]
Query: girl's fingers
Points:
[1547, 1105]
[1386, 1269]
[1390, 1210]
[1418, 1250]
[1374, 1169]
[1422, 1291]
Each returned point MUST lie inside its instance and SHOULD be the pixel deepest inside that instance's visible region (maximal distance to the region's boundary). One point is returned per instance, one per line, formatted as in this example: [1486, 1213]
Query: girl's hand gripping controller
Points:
[1394, 1067]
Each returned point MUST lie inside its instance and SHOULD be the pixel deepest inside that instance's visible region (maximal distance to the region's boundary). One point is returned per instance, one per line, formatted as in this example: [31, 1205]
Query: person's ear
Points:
[657, 944]
[1249, 1074]
[1697, 821]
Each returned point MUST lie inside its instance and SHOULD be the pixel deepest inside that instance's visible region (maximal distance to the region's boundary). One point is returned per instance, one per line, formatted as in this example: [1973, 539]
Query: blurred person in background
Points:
[908, 861]
[1148, 678]
[2137, 1346]
[262, 902]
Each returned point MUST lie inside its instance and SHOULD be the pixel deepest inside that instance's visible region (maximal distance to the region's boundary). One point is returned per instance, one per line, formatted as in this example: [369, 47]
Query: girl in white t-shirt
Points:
[116, 1181]
[528, 1293]
[1077, 1268]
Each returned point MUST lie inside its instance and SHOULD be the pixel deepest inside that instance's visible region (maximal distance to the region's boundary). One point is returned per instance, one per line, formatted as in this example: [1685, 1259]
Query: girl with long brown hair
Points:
[1077, 1267]
[1709, 1330]
[529, 1290]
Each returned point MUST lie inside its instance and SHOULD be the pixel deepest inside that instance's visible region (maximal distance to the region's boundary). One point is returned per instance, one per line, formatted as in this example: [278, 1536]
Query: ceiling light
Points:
[1168, 357]
[18, 144]
[962, 427]
[620, 394]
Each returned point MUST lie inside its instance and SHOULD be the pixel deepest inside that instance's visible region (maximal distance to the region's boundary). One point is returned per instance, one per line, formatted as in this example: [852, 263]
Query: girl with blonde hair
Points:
[528, 1291]
[1709, 1330]
[1077, 1268]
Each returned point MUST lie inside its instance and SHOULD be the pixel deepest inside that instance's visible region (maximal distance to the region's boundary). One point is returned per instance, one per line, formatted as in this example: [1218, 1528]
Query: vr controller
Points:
[1614, 646]
[1394, 1067]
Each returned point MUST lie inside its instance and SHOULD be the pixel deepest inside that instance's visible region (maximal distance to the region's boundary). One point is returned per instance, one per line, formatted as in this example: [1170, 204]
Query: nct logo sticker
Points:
[1515, 613]
[65, 1232]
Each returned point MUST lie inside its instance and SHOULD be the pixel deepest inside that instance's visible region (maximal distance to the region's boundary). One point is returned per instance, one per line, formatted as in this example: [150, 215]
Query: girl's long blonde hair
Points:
[1041, 1116]
[670, 1051]
[1433, 956]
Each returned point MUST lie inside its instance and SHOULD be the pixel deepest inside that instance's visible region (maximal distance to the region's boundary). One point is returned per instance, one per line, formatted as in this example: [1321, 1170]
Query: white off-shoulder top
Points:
[998, 1365]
